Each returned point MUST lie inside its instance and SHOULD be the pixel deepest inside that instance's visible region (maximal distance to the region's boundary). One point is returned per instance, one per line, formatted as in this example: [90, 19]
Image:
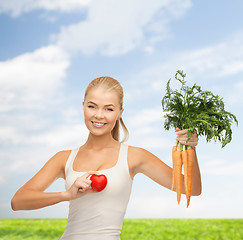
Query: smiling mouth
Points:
[98, 124]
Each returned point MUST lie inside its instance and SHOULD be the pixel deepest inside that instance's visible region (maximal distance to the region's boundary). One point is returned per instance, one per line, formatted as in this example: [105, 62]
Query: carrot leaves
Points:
[194, 109]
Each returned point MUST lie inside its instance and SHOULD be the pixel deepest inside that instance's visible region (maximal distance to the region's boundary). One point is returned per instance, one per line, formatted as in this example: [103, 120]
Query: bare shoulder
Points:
[137, 152]
[145, 162]
[60, 158]
[136, 157]
[59, 161]
[53, 169]
[63, 155]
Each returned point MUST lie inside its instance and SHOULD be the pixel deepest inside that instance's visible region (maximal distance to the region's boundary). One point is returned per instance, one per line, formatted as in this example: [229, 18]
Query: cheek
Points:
[87, 114]
[112, 117]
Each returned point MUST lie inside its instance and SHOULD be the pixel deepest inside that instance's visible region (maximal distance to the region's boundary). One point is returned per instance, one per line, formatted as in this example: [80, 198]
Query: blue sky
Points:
[50, 50]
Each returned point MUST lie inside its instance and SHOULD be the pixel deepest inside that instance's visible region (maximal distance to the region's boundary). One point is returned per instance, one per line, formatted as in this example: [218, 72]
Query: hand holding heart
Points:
[80, 187]
[83, 185]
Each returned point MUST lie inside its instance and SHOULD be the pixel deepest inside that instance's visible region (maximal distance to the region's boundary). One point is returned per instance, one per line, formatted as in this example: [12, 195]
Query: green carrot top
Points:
[194, 109]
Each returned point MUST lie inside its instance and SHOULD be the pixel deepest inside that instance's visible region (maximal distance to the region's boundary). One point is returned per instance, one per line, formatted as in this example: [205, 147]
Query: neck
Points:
[99, 142]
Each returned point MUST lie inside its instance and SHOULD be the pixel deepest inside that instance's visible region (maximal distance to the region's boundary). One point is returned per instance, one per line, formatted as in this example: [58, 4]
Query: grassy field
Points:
[133, 229]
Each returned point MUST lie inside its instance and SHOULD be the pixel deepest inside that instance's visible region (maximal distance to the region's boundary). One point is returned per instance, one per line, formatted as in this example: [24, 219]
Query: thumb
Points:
[90, 190]
[178, 129]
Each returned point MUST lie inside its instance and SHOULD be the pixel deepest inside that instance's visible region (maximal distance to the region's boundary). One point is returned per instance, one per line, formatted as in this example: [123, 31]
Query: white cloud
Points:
[30, 78]
[146, 129]
[9, 134]
[55, 137]
[2, 180]
[117, 27]
[29, 83]
[61, 136]
[236, 96]
[151, 200]
[40, 147]
[167, 207]
[149, 49]
[223, 168]
[221, 60]
[220, 166]
[153, 142]
[145, 116]
[112, 27]
[211, 63]
[18, 7]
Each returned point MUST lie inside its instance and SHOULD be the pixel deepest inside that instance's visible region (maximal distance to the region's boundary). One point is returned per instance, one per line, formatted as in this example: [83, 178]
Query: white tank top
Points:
[99, 215]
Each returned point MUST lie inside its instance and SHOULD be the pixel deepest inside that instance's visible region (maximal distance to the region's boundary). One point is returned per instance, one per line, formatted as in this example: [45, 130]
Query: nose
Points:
[99, 114]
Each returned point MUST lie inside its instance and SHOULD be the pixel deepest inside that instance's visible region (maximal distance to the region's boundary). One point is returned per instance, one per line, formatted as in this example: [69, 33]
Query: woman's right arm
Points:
[32, 196]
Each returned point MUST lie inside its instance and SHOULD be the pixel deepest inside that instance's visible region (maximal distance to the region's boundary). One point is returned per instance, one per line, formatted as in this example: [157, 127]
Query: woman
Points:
[99, 215]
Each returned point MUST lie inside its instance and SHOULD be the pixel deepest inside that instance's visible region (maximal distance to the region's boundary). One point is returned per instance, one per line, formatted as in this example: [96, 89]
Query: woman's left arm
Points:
[145, 162]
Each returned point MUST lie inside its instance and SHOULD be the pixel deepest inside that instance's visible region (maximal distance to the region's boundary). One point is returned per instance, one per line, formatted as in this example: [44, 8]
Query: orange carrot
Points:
[185, 165]
[173, 169]
[178, 169]
[190, 155]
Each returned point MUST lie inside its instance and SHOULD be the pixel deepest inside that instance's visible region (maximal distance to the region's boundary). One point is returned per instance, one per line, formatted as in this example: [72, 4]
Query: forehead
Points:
[102, 96]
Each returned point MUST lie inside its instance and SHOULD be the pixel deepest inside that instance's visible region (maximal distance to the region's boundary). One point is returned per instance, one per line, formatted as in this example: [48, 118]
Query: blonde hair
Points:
[111, 84]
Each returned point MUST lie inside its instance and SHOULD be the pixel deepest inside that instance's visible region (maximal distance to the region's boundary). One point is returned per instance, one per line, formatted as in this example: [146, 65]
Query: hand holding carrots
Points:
[182, 137]
[183, 155]
[193, 109]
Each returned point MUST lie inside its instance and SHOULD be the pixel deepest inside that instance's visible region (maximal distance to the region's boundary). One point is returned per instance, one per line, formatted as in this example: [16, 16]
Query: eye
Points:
[90, 106]
[109, 109]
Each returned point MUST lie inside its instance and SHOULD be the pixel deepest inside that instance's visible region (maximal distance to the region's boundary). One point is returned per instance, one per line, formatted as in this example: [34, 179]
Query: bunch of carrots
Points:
[196, 110]
[182, 155]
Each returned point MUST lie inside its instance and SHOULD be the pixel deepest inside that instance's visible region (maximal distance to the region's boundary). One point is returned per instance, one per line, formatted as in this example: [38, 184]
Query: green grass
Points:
[133, 229]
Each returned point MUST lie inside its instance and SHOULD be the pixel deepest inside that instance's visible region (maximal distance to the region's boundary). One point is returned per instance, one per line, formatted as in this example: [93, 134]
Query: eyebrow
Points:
[105, 105]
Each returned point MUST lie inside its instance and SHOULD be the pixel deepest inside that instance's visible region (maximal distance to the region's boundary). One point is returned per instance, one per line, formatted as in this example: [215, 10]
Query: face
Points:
[101, 111]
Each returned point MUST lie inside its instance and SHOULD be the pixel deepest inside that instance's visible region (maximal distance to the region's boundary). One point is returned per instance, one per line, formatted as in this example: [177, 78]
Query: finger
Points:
[81, 190]
[90, 190]
[192, 143]
[183, 142]
[188, 144]
[194, 138]
[182, 139]
[181, 132]
[82, 185]
[85, 189]
[82, 182]
[185, 137]
[178, 129]
[87, 181]
[87, 174]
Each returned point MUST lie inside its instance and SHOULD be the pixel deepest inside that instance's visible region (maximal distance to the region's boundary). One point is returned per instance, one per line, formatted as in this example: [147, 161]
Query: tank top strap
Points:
[70, 160]
[122, 161]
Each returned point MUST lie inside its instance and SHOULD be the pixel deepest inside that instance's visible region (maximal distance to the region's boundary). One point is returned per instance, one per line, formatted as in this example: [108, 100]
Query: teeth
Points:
[98, 124]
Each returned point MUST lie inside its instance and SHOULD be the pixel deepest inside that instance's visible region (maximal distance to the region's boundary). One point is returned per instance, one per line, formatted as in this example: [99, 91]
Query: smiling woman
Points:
[102, 100]
[98, 215]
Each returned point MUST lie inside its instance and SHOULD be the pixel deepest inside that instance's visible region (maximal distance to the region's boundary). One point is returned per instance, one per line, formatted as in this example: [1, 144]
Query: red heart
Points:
[98, 182]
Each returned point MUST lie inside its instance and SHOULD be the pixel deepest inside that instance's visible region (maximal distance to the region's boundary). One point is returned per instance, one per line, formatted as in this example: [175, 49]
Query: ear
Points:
[120, 114]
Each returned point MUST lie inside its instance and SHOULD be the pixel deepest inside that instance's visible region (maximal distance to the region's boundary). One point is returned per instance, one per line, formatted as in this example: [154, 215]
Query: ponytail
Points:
[116, 131]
